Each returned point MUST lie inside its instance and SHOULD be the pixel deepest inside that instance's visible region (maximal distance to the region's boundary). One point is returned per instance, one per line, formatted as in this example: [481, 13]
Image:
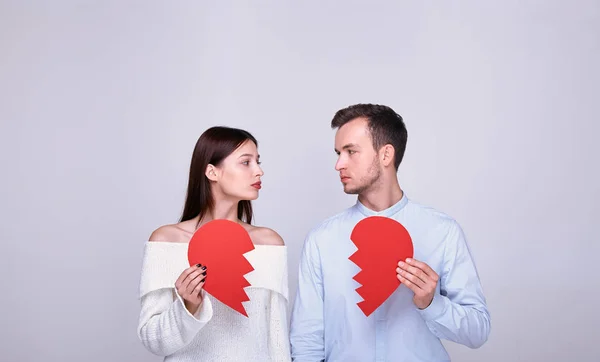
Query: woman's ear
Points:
[211, 172]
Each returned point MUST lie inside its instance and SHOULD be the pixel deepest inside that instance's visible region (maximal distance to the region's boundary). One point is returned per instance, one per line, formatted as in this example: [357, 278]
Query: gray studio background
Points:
[101, 103]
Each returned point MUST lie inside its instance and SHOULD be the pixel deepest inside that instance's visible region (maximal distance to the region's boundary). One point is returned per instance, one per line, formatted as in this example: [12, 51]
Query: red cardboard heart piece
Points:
[220, 245]
[382, 242]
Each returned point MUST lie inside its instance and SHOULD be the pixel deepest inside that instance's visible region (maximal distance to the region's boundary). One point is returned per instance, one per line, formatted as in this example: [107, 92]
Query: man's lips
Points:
[344, 178]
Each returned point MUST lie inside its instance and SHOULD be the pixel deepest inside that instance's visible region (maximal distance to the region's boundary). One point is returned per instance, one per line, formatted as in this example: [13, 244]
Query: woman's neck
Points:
[223, 209]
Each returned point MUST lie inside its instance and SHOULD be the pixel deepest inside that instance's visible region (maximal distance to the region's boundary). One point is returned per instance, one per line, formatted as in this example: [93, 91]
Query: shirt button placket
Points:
[380, 335]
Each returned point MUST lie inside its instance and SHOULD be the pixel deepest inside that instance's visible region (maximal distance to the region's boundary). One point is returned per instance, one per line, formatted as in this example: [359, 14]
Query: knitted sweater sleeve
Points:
[165, 325]
[279, 343]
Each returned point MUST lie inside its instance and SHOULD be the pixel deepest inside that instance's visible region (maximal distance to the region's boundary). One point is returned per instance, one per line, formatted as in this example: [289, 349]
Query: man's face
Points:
[358, 162]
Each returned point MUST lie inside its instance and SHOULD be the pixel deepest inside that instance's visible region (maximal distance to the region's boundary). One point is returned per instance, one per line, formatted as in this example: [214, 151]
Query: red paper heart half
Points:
[220, 245]
[382, 242]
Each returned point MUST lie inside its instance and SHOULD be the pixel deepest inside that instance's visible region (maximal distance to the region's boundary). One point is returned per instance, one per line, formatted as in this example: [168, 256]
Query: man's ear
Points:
[211, 172]
[387, 153]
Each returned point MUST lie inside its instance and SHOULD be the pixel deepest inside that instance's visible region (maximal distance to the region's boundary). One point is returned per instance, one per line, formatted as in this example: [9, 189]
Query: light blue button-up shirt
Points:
[328, 325]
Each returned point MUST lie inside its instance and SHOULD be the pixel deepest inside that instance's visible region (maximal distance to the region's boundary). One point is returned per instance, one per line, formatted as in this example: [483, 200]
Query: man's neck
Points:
[381, 198]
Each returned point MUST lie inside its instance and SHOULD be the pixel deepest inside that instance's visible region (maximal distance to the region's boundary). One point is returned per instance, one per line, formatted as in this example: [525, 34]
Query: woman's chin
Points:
[249, 196]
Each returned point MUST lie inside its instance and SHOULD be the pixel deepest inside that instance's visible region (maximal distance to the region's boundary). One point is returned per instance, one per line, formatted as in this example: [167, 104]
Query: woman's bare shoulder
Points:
[265, 236]
[177, 233]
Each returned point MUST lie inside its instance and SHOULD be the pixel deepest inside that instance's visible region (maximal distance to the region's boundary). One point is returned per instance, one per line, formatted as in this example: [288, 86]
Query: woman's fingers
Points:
[193, 279]
[184, 275]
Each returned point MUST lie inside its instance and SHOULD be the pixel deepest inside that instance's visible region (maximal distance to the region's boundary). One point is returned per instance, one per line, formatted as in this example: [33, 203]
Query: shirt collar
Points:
[386, 212]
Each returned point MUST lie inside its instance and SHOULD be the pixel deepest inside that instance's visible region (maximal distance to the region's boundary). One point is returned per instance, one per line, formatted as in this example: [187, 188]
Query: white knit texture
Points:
[215, 332]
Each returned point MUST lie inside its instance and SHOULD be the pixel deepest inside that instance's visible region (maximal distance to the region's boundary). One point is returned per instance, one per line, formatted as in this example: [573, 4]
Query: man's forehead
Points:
[355, 131]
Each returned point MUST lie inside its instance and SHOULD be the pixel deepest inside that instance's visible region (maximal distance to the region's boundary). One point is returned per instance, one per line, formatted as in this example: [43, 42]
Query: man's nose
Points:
[340, 164]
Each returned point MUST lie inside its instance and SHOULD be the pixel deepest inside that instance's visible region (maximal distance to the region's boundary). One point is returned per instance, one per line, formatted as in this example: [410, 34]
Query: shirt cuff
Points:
[437, 308]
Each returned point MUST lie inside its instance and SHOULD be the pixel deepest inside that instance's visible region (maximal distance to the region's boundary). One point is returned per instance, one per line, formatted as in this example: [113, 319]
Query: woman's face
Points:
[238, 175]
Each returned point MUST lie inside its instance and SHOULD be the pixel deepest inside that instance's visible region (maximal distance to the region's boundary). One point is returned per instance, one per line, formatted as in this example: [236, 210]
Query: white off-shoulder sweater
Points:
[215, 332]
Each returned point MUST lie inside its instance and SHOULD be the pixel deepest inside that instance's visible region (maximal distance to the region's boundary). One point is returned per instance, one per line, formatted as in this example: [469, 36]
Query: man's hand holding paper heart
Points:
[384, 245]
[420, 278]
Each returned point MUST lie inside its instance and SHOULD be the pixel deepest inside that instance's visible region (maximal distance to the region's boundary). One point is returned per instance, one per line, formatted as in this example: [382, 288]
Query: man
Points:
[440, 295]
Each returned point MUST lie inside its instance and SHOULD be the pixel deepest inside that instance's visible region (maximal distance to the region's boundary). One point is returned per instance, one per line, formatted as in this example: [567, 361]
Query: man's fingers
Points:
[412, 286]
[414, 271]
[424, 267]
[413, 277]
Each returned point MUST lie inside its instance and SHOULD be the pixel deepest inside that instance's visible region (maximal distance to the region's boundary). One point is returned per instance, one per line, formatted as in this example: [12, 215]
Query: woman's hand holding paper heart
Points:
[420, 278]
[189, 286]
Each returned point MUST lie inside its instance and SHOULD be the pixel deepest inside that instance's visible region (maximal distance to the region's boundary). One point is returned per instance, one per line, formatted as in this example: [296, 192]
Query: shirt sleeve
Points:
[458, 311]
[165, 324]
[306, 331]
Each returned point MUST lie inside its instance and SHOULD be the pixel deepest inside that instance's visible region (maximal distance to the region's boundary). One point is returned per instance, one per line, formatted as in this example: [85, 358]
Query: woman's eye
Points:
[245, 162]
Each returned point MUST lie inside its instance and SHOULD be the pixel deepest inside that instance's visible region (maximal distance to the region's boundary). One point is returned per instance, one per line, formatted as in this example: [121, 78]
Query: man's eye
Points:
[351, 151]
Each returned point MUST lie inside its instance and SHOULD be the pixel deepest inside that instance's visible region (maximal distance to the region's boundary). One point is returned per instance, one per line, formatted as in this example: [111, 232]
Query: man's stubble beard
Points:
[372, 177]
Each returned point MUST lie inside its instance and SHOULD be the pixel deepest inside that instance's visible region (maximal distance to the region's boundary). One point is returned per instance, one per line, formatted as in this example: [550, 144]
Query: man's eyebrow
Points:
[348, 145]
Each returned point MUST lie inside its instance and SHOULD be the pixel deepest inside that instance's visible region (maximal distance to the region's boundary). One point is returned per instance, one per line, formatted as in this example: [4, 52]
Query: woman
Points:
[178, 319]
